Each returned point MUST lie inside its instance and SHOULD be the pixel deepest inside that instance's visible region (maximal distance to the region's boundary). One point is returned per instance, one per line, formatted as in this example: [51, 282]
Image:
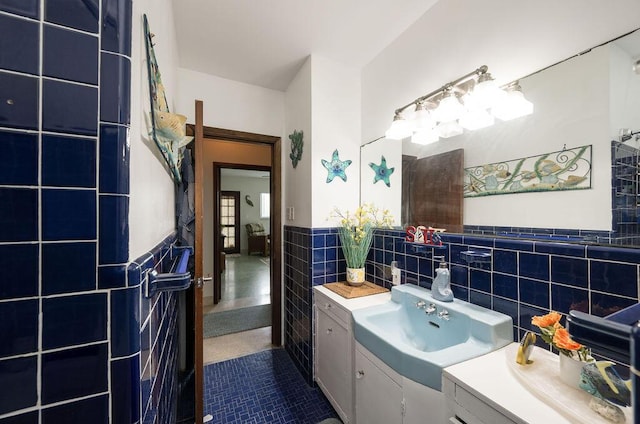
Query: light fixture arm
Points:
[481, 70]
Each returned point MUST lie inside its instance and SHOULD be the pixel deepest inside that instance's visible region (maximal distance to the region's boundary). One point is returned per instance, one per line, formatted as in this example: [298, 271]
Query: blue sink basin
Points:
[418, 345]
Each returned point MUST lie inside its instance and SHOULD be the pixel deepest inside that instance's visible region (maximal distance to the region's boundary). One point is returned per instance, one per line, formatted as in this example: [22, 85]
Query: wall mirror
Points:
[584, 100]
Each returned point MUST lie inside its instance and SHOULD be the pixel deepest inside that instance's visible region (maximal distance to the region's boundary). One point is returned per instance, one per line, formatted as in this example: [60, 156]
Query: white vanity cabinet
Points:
[378, 391]
[334, 346]
[385, 397]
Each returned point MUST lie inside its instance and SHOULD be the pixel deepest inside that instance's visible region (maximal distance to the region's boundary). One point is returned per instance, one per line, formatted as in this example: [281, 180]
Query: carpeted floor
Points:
[236, 320]
[263, 388]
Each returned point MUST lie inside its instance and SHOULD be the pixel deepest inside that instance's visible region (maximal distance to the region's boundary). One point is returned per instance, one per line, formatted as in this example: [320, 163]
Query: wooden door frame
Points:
[276, 216]
[201, 132]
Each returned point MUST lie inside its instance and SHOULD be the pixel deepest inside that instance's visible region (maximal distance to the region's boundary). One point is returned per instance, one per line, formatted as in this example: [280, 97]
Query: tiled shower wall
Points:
[64, 196]
[625, 187]
[150, 332]
[520, 278]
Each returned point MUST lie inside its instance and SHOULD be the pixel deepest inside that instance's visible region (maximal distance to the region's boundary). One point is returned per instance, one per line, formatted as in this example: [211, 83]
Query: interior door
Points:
[230, 221]
[199, 266]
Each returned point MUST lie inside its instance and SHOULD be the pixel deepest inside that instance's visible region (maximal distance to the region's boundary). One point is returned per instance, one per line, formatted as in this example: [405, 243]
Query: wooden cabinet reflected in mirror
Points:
[432, 190]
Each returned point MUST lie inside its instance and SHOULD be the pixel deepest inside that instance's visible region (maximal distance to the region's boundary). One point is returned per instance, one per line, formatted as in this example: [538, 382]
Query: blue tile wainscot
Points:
[71, 318]
[522, 278]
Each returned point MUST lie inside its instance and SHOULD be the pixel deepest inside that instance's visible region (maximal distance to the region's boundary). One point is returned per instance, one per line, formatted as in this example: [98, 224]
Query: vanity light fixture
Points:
[400, 128]
[513, 105]
[471, 101]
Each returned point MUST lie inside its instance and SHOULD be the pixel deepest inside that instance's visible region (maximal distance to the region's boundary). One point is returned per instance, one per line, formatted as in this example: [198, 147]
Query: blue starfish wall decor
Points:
[382, 172]
[336, 167]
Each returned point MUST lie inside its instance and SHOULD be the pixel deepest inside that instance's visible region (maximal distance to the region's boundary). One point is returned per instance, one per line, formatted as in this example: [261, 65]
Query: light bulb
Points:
[512, 106]
[449, 109]
[422, 119]
[449, 129]
[486, 94]
[400, 128]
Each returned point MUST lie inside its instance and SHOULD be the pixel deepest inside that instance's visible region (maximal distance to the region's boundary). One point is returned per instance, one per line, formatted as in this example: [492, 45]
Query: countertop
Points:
[357, 302]
[490, 378]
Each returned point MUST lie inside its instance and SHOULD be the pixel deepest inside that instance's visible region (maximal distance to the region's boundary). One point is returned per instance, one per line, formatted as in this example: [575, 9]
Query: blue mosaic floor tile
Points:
[264, 387]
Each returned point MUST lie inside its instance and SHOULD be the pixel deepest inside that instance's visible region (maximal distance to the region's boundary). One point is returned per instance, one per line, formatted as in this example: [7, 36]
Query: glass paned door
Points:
[230, 221]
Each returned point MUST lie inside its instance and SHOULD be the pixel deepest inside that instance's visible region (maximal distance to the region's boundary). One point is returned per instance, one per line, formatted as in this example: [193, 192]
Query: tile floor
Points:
[263, 387]
[245, 379]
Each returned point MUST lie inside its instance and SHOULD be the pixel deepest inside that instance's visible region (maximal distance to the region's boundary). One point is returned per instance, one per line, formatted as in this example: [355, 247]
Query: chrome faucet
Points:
[421, 304]
[444, 314]
[431, 309]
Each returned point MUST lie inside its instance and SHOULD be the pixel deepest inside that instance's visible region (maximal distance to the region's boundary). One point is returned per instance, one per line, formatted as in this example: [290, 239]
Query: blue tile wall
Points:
[68, 161]
[19, 44]
[520, 278]
[30, 8]
[19, 327]
[78, 14]
[69, 310]
[63, 46]
[115, 79]
[74, 320]
[156, 387]
[68, 267]
[68, 214]
[88, 365]
[298, 251]
[114, 158]
[69, 108]
[20, 159]
[21, 263]
[93, 410]
[20, 388]
[116, 26]
[19, 105]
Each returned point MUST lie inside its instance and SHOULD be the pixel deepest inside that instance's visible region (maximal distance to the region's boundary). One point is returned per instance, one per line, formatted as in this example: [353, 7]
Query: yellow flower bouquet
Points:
[356, 231]
[557, 336]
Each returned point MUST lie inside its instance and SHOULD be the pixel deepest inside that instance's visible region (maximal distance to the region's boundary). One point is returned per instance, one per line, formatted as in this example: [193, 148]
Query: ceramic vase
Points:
[355, 276]
[570, 370]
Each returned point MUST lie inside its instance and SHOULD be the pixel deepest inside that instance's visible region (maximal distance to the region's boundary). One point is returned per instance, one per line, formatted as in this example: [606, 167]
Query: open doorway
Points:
[237, 321]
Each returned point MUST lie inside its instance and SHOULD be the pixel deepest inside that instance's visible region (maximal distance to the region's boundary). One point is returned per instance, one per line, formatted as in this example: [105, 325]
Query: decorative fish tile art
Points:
[167, 129]
[568, 169]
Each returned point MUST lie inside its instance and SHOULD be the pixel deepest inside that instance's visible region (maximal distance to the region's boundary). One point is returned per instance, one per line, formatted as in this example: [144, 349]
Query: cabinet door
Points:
[378, 397]
[333, 363]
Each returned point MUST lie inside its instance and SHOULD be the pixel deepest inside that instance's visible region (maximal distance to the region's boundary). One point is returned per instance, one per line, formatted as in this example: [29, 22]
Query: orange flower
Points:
[562, 339]
[548, 320]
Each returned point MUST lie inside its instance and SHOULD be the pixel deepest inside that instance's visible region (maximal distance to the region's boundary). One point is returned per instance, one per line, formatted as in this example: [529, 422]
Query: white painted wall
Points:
[230, 104]
[252, 187]
[456, 37]
[335, 117]
[151, 210]
[297, 181]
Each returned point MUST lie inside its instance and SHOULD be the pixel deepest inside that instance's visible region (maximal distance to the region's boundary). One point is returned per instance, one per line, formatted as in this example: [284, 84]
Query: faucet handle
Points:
[421, 304]
[431, 309]
[444, 314]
